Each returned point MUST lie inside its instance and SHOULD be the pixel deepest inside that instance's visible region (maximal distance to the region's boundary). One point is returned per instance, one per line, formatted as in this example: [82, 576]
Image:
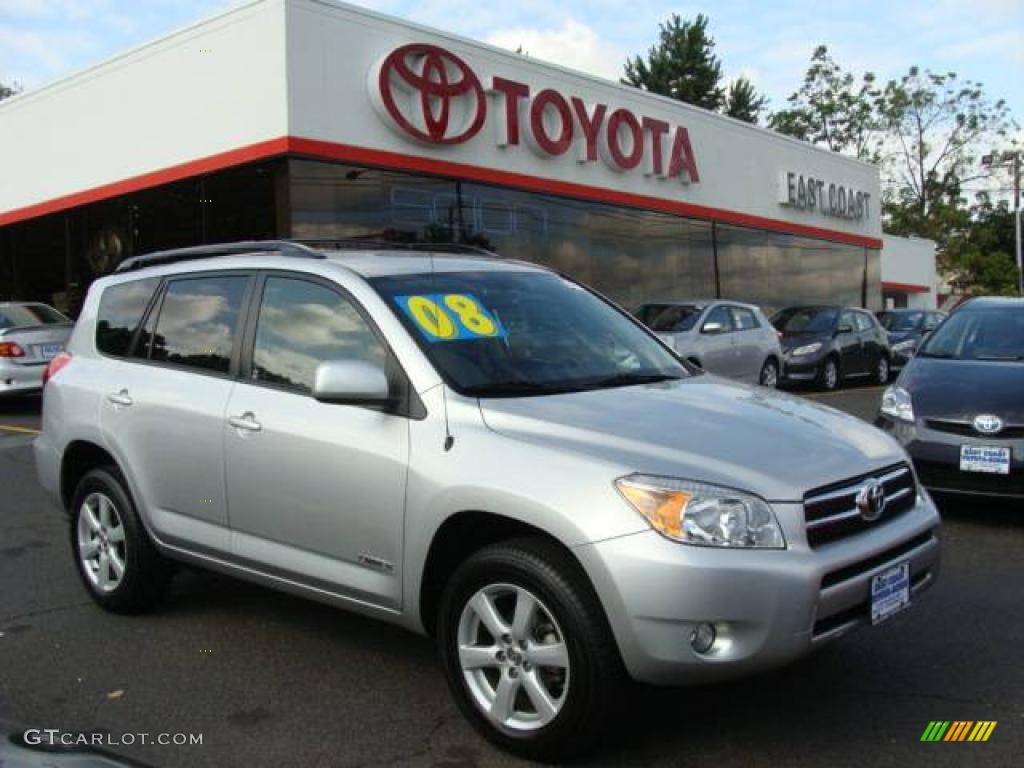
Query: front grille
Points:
[966, 428]
[831, 511]
[948, 477]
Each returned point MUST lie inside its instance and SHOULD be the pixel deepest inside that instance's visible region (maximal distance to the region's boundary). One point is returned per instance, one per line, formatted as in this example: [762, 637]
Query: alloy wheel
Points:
[101, 542]
[513, 657]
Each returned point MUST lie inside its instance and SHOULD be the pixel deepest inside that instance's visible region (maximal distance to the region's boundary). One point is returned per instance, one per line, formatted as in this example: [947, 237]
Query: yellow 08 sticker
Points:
[451, 317]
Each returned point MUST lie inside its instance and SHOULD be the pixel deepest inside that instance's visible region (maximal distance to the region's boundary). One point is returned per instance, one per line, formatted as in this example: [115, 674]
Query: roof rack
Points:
[304, 249]
[281, 247]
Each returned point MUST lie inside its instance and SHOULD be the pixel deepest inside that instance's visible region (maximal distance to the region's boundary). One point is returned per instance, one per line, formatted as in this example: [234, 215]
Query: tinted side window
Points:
[121, 309]
[722, 316]
[302, 324]
[846, 319]
[744, 319]
[198, 322]
[863, 322]
[931, 321]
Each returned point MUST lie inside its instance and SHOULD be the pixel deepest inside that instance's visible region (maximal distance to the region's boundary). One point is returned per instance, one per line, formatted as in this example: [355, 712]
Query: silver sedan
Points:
[31, 335]
[727, 338]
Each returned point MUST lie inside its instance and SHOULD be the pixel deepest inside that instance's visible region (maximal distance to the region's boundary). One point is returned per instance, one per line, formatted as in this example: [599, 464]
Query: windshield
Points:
[900, 322]
[979, 334]
[668, 318]
[17, 315]
[505, 334]
[806, 320]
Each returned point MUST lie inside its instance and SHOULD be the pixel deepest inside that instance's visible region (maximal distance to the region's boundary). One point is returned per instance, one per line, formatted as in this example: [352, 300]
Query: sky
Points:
[769, 42]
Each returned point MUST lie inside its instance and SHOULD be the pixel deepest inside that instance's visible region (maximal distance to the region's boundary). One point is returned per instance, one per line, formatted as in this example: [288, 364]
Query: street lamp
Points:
[1011, 158]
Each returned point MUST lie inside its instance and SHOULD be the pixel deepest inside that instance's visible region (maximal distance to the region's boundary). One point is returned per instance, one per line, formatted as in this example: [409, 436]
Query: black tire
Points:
[830, 380]
[146, 573]
[883, 370]
[769, 376]
[596, 677]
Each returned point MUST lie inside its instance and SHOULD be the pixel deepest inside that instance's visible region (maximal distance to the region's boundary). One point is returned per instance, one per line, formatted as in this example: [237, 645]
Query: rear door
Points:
[163, 408]
[873, 339]
[317, 490]
[747, 344]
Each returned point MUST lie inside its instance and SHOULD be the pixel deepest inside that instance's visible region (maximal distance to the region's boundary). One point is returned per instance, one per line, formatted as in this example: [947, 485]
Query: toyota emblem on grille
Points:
[871, 501]
[988, 424]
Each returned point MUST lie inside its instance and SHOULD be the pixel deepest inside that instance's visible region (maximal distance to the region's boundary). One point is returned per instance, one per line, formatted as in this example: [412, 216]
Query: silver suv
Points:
[727, 338]
[477, 449]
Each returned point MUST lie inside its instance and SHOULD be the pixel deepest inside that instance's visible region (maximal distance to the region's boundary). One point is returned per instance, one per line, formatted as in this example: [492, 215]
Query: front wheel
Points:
[769, 374]
[829, 376]
[527, 651]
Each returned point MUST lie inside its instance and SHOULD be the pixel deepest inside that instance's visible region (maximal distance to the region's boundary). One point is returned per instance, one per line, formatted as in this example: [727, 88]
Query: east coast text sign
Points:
[430, 95]
[807, 193]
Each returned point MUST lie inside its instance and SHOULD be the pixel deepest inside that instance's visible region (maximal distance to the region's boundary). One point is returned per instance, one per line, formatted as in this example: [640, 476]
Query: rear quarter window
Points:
[120, 312]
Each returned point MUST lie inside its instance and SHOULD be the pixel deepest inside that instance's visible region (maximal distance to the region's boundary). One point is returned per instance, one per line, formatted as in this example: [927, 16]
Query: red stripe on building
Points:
[905, 287]
[325, 150]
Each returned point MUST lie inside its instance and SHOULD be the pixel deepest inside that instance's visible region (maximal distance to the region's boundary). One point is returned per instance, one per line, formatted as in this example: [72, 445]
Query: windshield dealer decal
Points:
[451, 317]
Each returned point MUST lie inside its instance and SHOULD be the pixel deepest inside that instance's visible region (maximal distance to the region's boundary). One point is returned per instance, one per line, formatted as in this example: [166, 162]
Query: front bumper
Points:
[17, 379]
[769, 607]
[802, 368]
[936, 456]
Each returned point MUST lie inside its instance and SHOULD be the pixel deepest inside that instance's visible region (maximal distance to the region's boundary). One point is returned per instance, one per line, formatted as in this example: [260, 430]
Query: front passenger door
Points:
[316, 490]
[715, 342]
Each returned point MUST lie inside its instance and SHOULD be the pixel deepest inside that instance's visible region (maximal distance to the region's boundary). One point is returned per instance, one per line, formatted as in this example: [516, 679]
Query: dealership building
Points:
[310, 119]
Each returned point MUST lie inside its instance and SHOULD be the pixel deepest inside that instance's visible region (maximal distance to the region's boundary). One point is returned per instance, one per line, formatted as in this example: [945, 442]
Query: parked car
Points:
[31, 335]
[958, 407]
[829, 344]
[727, 338]
[907, 328]
[477, 449]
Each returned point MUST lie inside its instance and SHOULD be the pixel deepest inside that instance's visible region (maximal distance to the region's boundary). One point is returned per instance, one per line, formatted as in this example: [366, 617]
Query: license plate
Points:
[994, 460]
[50, 351]
[890, 592]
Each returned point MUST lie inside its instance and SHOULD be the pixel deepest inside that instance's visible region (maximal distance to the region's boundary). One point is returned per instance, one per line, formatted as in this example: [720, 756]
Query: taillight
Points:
[11, 349]
[56, 366]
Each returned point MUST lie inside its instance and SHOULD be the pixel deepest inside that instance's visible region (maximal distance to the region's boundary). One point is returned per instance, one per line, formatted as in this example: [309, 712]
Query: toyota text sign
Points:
[430, 95]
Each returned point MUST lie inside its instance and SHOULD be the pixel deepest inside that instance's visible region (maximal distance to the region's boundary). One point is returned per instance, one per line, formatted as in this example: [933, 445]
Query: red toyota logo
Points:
[432, 94]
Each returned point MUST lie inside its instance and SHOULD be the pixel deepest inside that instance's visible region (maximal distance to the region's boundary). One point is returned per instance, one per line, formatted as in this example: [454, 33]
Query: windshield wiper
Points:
[1001, 358]
[940, 355]
[629, 380]
[516, 388]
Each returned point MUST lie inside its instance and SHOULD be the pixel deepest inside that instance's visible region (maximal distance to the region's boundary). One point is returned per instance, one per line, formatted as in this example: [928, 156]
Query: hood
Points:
[961, 389]
[703, 428]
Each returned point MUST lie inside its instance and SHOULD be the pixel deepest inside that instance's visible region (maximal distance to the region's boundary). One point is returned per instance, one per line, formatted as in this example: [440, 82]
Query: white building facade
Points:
[314, 120]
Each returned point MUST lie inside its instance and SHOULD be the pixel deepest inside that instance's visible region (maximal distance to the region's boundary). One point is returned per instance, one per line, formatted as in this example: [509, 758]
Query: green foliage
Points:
[834, 109]
[743, 102]
[980, 256]
[683, 66]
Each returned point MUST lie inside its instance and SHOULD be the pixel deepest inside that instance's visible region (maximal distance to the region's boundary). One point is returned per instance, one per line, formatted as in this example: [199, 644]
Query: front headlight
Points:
[696, 513]
[904, 346]
[896, 402]
[807, 349]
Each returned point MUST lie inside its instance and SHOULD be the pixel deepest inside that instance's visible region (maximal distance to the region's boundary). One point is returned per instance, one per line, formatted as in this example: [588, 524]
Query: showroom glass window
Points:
[302, 324]
[198, 322]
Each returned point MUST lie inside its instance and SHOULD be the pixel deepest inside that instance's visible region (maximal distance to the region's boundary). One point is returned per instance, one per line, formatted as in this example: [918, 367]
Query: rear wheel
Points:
[769, 374]
[118, 564]
[828, 378]
[527, 651]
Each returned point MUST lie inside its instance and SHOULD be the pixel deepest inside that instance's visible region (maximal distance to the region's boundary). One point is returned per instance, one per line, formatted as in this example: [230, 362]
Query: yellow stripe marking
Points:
[24, 430]
[988, 731]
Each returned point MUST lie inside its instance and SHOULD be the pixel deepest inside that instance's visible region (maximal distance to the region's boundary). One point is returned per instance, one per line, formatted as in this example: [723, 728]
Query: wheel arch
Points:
[79, 458]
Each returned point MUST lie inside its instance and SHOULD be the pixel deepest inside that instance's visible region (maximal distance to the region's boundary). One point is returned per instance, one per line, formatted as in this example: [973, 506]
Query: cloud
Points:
[573, 44]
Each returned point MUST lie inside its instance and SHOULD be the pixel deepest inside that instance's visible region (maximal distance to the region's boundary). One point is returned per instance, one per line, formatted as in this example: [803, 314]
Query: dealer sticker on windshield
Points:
[451, 317]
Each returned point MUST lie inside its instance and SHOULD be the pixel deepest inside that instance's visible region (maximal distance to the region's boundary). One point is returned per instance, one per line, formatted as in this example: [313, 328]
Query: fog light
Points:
[702, 637]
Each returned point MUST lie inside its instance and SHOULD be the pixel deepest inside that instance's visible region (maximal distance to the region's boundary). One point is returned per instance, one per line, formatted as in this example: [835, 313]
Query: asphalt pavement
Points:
[271, 680]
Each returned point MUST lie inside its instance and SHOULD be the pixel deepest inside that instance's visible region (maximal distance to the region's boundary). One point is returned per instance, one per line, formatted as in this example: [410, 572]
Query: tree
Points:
[743, 102]
[6, 91]
[936, 127]
[834, 109]
[979, 255]
[682, 65]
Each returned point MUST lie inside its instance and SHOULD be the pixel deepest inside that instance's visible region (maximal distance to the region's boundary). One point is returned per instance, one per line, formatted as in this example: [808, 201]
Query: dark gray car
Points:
[727, 338]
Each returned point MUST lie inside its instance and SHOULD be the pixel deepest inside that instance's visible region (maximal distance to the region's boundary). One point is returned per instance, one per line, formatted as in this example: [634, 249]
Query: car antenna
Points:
[449, 441]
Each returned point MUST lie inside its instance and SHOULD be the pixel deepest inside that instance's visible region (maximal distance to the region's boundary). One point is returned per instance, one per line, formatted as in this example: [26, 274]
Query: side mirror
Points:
[351, 382]
[712, 328]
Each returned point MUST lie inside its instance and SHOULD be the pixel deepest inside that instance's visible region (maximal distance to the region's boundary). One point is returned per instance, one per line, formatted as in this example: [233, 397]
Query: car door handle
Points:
[246, 421]
[120, 398]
